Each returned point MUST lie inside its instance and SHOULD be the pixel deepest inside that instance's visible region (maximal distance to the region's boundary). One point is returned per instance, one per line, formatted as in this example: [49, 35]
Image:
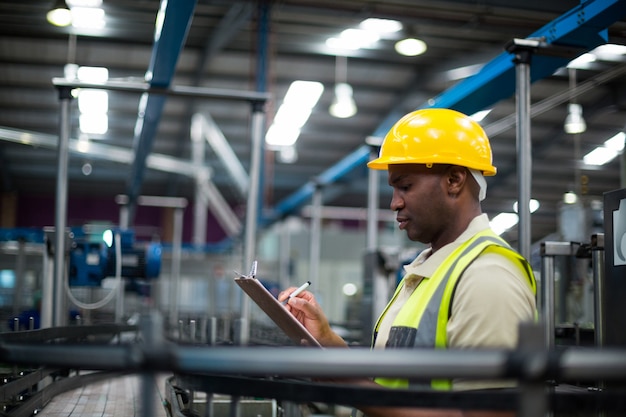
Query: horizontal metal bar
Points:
[100, 151]
[589, 364]
[557, 248]
[183, 91]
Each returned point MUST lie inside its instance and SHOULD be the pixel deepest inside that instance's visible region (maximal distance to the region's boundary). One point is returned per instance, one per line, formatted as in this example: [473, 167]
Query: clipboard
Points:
[275, 310]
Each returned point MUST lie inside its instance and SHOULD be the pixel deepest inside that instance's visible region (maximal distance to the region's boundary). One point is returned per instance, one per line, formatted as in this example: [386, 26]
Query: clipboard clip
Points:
[251, 274]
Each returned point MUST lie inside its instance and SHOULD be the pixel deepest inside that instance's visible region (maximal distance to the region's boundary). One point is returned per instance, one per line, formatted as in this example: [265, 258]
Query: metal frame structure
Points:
[64, 87]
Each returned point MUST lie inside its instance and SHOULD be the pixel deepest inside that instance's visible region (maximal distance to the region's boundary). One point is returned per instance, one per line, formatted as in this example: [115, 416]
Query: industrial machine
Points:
[93, 258]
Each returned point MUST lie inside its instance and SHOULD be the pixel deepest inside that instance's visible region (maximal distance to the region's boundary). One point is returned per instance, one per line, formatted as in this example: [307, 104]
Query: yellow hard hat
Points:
[436, 136]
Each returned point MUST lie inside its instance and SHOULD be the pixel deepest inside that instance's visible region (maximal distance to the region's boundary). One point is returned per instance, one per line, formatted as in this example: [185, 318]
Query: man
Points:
[469, 289]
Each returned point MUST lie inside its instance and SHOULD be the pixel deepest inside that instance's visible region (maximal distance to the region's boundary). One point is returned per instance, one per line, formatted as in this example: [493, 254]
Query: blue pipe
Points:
[172, 25]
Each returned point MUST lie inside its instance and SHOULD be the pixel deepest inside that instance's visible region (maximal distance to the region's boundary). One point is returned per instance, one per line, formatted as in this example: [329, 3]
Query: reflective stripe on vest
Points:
[422, 321]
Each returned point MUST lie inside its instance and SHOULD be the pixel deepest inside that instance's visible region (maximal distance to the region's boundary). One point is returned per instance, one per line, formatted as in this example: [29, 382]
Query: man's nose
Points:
[396, 202]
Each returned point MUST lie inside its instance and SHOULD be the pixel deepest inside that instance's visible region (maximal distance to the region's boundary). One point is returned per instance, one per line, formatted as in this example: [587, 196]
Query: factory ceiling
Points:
[250, 47]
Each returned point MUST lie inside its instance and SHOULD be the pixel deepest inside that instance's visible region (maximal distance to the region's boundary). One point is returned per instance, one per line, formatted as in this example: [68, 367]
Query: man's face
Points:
[419, 198]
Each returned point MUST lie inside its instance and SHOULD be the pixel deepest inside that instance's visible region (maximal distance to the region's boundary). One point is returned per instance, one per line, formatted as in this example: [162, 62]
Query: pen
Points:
[296, 292]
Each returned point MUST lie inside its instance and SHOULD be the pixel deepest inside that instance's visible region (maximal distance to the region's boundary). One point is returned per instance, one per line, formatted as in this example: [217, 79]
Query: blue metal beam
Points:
[172, 25]
[583, 28]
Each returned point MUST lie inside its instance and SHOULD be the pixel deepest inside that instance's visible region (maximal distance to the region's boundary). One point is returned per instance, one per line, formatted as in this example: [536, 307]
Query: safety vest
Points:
[422, 321]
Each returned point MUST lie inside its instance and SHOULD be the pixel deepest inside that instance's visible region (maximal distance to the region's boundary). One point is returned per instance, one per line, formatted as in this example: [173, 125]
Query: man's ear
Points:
[457, 178]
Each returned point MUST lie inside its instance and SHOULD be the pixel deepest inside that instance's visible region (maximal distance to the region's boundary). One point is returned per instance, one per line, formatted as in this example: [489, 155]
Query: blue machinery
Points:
[92, 260]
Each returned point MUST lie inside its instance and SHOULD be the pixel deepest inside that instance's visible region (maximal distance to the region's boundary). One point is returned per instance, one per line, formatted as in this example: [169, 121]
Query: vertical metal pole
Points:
[198, 149]
[284, 254]
[176, 255]
[47, 286]
[60, 219]
[119, 300]
[524, 153]
[19, 276]
[151, 326]
[547, 292]
[622, 168]
[533, 395]
[597, 262]
[256, 164]
[252, 214]
[372, 207]
[316, 235]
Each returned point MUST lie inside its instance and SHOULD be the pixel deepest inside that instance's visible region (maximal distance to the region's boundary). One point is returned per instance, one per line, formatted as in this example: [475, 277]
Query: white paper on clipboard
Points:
[276, 311]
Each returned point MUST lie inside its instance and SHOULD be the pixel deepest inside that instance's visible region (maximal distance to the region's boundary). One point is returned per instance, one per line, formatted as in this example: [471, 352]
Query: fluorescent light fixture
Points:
[84, 3]
[609, 50]
[479, 116]
[533, 205]
[353, 39]
[381, 25]
[503, 222]
[93, 123]
[574, 122]
[343, 105]
[93, 101]
[281, 135]
[604, 154]
[93, 104]
[582, 61]
[293, 113]
[60, 14]
[600, 156]
[410, 47]
[92, 74]
[88, 17]
[304, 94]
[616, 142]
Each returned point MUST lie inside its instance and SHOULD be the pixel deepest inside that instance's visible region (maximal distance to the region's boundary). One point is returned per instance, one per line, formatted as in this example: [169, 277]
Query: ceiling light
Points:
[304, 93]
[600, 156]
[88, 17]
[533, 205]
[410, 47]
[381, 25]
[60, 14]
[570, 197]
[92, 74]
[343, 105]
[84, 3]
[93, 123]
[353, 39]
[281, 135]
[582, 61]
[93, 101]
[574, 122]
[292, 114]
[616, 142]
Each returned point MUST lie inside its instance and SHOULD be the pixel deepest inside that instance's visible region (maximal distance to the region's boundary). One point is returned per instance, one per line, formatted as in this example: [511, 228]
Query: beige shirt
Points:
[493, 296]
